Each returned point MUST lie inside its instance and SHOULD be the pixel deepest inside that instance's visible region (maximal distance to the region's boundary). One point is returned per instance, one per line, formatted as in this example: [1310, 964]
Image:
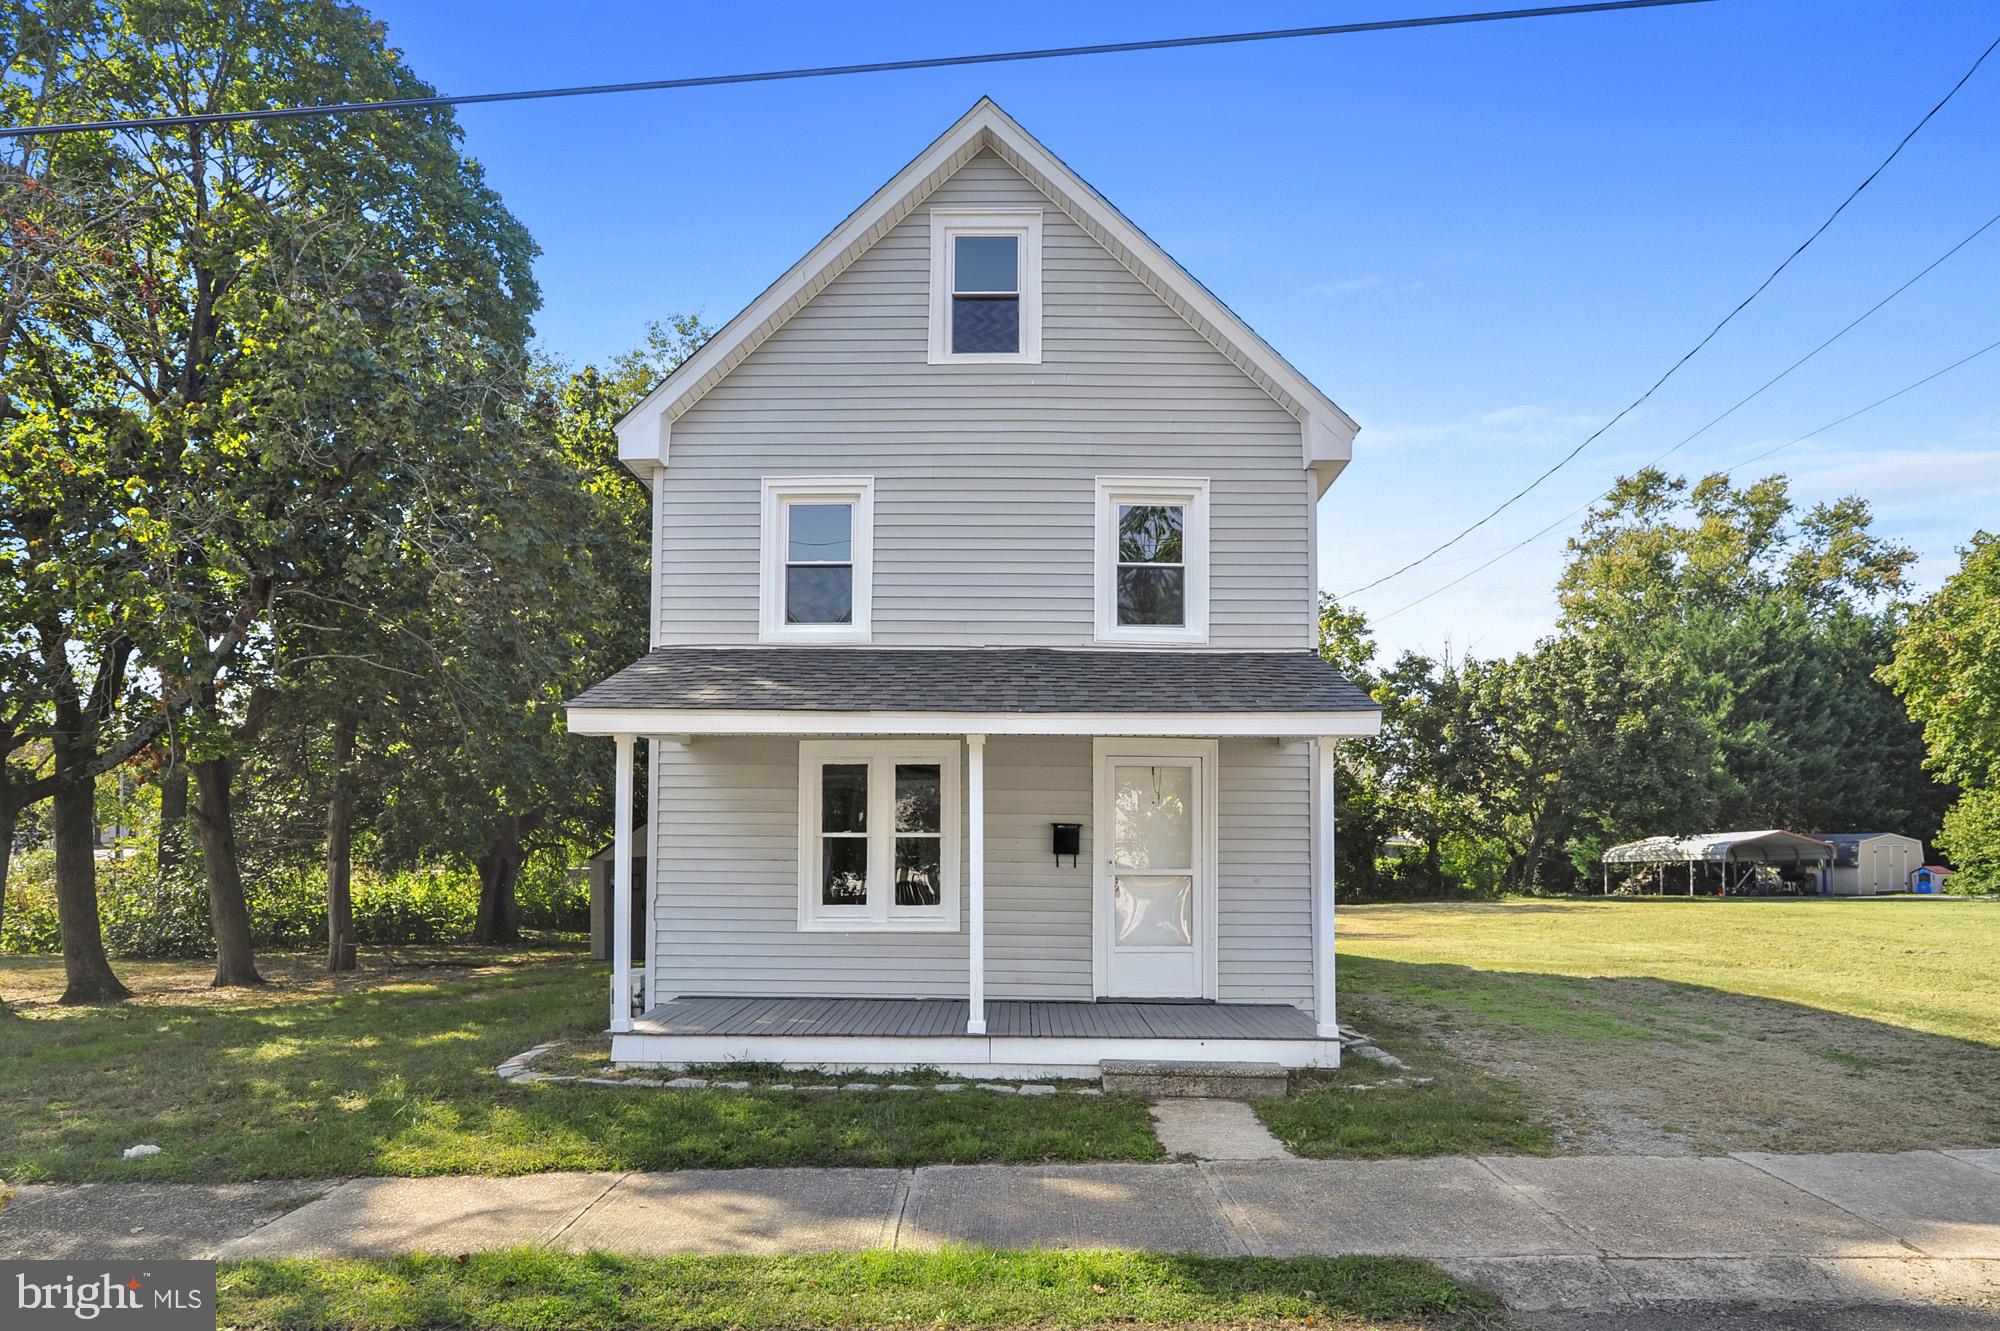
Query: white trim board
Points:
[694, 722]
[964, 1055]
[1326, 432]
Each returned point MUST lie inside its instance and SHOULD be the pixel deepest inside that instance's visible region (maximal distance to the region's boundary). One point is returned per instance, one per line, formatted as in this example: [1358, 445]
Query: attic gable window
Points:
[818, 559]
[986, 287]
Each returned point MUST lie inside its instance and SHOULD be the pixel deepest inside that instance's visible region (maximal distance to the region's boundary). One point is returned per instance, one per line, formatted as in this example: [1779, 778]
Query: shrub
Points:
[146, 917]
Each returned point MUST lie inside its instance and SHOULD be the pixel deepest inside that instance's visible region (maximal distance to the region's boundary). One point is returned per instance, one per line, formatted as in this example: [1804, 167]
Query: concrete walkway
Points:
[1568, 1233]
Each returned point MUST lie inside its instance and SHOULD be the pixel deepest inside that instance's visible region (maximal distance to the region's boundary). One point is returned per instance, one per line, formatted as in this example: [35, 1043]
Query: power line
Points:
[1733, 467]
[1741, 305]
[830, 71]
[1759, 391]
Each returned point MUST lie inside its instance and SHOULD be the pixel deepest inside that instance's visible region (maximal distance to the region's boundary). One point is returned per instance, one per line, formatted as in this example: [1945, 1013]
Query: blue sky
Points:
[1480, 241]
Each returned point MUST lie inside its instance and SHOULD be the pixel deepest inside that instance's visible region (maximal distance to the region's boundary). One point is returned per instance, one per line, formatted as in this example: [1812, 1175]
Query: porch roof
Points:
[1021, 690]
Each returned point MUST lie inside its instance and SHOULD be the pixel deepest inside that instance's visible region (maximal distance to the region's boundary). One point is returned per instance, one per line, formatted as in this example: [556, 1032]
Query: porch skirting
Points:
[1022, 1038]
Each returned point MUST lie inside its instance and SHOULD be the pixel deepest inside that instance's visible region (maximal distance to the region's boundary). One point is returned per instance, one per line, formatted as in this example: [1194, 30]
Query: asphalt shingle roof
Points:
[975, 679]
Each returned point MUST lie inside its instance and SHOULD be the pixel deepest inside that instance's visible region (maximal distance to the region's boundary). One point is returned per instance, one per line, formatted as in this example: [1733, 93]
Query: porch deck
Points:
[946, 1017]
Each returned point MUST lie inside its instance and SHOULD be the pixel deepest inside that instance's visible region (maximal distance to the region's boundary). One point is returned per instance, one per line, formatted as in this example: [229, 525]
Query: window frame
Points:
[779, 494]
[880, 913]
[1190, 493]
[949, 223]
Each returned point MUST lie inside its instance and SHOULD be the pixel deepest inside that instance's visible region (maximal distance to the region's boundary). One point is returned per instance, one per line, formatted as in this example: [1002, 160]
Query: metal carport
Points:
[1731, 851]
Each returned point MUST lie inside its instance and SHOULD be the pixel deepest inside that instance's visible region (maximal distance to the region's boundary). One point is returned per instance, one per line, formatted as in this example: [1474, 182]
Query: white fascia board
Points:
[697, 721]
[1324, 426]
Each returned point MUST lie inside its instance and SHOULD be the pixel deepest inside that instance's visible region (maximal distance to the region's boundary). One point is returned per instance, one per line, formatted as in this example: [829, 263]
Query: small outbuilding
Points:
[1867, 863]
[1729, 862]
[1929, 880]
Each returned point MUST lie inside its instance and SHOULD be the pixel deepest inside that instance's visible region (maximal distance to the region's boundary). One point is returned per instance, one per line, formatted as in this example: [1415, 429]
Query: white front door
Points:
[1154, 910]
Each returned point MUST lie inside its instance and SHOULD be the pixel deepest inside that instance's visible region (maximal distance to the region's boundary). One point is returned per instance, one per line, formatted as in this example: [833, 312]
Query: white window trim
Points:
[880, 914]
[780, 491]
[1192, 493]
[1023, 222]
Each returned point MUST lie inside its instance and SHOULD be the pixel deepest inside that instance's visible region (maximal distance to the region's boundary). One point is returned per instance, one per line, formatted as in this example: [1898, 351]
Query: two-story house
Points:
[983, 724]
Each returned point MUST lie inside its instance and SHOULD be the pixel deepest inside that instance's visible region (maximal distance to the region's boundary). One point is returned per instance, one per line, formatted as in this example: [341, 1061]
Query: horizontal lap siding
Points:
[1265, 863]
[1037, 913]
[984, 475]
[725, 909]
[726, 904]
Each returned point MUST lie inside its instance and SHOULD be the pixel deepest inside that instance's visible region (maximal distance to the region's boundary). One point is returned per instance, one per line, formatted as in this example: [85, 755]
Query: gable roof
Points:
[1326, 432]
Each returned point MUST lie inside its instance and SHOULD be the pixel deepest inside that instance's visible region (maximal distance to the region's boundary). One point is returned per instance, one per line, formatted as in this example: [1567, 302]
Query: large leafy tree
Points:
[555, 600]
[1777, 620]
[281, 331]
[1947, 670]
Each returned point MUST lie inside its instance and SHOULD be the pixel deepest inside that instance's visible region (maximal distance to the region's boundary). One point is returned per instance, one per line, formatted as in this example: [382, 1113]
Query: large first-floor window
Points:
[878, 834]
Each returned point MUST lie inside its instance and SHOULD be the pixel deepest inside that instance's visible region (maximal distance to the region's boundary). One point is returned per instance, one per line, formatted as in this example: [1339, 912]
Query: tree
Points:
[1580, 740]
[1946, 669]
[1361, 820]
[286, 330]
[1777, 621]
[491, 774]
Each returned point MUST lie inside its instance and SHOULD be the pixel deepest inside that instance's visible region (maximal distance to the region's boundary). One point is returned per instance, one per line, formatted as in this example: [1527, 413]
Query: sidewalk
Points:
[1575, 1232]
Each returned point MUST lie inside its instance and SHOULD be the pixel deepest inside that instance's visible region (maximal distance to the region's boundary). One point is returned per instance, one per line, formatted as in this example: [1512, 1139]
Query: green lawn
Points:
[538, 1289]
[1676, 1024]
[390, 1072]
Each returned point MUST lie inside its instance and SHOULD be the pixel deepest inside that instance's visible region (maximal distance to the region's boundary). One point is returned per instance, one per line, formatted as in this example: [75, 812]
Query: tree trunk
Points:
[228, 912]
[499, 870]
[71, 826]
[340, 845]
[173, 812]
[9, 814]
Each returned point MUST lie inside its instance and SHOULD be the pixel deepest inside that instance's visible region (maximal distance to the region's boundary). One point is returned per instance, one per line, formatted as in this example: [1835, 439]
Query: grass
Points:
[1677, 1024]
[1454, 1109]
[538, 1289]
[390, 1072]
[1924, 965]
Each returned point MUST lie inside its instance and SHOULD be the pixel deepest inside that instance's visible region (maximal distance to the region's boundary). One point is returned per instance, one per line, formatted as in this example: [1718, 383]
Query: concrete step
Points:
[1168, 1078]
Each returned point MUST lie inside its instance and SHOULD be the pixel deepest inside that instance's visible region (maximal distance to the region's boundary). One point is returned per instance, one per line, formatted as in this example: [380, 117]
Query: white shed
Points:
[1865, 863]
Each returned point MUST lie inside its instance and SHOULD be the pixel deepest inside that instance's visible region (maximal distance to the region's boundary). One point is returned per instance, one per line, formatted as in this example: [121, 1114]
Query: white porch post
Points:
[1322, 886]
[975, 813]
[621, 888]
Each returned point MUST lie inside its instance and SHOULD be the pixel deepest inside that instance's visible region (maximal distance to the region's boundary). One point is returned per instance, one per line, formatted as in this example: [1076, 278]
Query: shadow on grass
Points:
[396, 1078]
[1637, 1063]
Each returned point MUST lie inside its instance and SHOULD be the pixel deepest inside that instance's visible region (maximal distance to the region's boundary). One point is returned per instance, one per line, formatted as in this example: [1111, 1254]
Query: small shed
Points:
[599, 867]
[1729, 861]
[1865, 863]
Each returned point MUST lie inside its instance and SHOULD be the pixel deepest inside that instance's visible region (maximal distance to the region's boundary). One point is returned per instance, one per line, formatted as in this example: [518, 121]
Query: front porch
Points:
[991, 862]
[1022, 1038]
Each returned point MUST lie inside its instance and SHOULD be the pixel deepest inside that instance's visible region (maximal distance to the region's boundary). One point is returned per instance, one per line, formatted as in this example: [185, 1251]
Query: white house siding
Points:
[984, 474]
[726, 890]
[1265, 868]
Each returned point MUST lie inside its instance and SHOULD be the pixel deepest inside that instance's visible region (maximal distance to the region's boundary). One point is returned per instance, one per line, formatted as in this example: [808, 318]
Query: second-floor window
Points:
[817, 551]
[986, 286]
[1152, 559]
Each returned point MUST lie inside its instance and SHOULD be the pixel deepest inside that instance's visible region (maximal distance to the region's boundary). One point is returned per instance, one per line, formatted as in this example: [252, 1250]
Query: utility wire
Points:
[1745, 400]
[1756, 457]
[830, 71]
[1727, 319]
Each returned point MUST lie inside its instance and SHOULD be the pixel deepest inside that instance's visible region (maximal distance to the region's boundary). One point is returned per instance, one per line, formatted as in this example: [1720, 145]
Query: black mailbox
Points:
[1068, 841]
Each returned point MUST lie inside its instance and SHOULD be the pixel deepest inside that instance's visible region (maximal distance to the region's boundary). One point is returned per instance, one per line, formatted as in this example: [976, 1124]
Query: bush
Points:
[1971, 837]
[144, 917]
